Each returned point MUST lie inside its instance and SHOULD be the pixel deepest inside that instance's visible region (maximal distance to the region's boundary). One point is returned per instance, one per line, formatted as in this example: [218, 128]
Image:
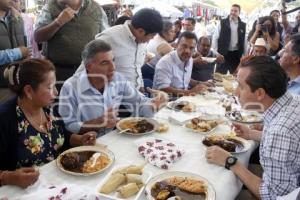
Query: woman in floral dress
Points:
[30, 135]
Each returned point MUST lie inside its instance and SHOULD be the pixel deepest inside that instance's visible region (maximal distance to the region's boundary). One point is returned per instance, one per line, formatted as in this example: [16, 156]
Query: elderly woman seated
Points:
[30, 135]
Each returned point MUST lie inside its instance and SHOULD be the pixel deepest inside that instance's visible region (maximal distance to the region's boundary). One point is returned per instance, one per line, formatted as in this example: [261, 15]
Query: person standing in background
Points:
[229, 40]
[12, 42]
[65, 27]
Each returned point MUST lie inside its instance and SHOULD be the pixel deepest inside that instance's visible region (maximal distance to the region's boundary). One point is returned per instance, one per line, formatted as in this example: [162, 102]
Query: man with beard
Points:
[173, 71]
[12, 41]
[202, 69]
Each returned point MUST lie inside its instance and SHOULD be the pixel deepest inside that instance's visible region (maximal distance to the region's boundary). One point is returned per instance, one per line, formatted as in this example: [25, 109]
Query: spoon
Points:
[123, 131]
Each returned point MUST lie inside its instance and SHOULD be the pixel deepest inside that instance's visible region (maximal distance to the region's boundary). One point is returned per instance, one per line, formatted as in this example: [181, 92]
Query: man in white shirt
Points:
[129, 43]
[173, 71]
[229, 40]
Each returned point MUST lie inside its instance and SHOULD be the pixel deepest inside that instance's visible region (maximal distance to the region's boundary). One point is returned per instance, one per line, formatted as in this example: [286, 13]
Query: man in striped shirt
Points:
[262, 80]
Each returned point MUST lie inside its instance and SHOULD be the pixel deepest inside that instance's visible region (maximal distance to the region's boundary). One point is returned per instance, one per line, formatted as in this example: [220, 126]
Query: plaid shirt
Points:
[280, 148]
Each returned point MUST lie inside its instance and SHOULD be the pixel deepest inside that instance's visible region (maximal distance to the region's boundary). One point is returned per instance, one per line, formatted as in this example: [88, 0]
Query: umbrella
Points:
[164, 9]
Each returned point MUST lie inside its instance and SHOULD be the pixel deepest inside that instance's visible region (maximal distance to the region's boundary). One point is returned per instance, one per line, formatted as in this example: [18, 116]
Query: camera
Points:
[264, 28]
[288, 1]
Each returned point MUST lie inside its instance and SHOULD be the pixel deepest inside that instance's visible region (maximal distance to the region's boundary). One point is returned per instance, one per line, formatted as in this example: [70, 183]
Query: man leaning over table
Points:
[129, 43]
[262, 80]
[90, 98]
[173, 71]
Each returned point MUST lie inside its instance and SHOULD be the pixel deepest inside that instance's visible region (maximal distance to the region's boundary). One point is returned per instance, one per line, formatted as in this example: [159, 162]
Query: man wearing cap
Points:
[260, 48]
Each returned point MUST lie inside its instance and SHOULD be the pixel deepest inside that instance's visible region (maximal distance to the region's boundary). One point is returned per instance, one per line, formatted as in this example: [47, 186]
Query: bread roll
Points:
[112, 183]
[131, 169]
[134, 178]
[128, 190]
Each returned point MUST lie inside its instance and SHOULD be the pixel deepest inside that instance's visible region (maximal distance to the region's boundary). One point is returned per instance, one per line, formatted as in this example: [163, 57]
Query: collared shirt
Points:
[280, 149]
[129, 55]
[10, 55]
[79, 101]
[45, 17]
[170, 71]
[233, 45]
[294, 86]
[233, 37]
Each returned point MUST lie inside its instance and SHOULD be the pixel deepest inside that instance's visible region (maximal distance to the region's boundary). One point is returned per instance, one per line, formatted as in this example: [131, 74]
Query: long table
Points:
[225, 183]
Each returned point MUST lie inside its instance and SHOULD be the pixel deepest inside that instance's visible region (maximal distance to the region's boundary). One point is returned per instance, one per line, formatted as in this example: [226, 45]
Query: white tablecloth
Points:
[226, 184]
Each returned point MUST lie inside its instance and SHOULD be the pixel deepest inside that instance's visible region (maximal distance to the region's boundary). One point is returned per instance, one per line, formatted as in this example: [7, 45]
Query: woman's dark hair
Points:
[266, 73]
[147, 19]
[167, 25]
[122, 20]
[188, 35]
[262, 20]
[178, 22]
[27, 72]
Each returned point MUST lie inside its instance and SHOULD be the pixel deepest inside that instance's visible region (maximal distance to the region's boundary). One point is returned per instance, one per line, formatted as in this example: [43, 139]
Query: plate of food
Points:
[201, 125]
[124, 182]
[221, 77]
[183, 185]
[245, 116]
[85, 160]
[137, 125]
[228, 142]
[184, 106]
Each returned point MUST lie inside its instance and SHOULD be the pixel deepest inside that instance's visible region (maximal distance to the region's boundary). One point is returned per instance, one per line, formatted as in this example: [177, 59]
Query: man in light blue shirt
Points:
[9, 55]
[290, 61]
[173, 71]
[90, 98]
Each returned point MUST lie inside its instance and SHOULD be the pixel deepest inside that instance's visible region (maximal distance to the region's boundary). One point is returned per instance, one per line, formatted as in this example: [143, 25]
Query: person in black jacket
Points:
[30, 134]
[229, 40]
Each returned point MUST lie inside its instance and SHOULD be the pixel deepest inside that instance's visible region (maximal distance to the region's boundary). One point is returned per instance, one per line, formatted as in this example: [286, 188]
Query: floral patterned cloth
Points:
[35, 147]
[160, 153]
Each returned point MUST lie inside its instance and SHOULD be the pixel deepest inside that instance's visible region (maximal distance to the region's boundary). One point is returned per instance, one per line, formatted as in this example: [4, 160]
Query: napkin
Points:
[62, 192]
[158, 152]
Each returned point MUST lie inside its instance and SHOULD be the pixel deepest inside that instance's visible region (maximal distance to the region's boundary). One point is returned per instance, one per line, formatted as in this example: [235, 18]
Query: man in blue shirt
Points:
[290, 61]
[89, 100]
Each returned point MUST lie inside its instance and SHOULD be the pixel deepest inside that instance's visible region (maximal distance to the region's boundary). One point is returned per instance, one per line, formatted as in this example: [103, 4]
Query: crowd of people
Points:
[90, 74]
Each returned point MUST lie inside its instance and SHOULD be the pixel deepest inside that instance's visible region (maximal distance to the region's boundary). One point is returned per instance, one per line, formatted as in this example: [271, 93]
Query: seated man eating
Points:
[173, 71]
[90, 98]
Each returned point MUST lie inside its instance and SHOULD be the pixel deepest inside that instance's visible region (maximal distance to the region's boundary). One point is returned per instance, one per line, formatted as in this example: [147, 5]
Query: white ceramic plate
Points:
[171, 105]
[246, 145]
[211, 194]
[114, 195]
[209, 59]
[249, 116]
[106, 151]
[201, 132]
[149, 120]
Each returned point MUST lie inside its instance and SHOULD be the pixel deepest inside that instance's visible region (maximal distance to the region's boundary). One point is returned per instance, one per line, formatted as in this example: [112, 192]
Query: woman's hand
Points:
[89, 138]
[22, 177]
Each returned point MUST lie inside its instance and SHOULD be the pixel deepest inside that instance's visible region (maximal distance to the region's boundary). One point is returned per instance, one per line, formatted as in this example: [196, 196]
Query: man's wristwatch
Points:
[230, 161]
